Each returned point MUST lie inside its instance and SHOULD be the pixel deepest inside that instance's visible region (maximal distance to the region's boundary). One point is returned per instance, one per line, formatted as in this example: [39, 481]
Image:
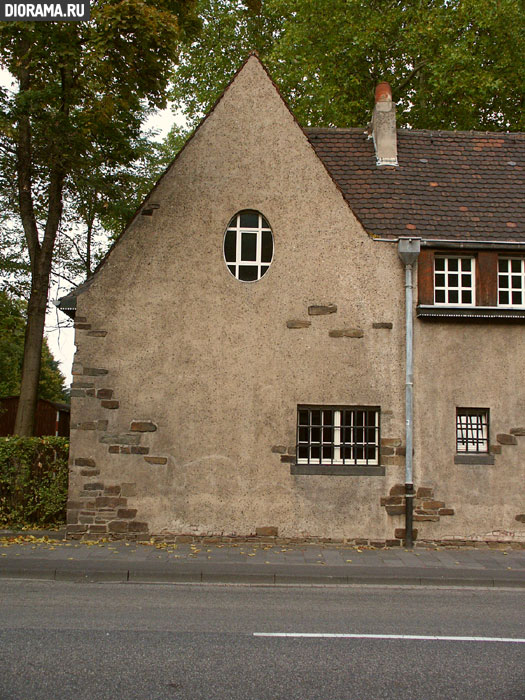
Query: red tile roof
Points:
[449, 185]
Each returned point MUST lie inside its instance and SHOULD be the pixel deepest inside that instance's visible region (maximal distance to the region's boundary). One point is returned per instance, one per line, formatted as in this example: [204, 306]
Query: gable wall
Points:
[210, 360]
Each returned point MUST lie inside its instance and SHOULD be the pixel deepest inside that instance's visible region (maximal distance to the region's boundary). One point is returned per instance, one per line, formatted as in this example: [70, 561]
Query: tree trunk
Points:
[36, 315]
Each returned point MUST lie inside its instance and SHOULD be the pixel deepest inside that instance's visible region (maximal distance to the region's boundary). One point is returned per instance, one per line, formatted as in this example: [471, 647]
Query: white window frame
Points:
[235, 225]
[459, 288]
[336, 443]
[509, 274]
[472, 428]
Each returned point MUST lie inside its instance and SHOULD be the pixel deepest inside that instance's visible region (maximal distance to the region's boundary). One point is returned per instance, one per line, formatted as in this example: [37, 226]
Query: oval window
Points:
[248, 246]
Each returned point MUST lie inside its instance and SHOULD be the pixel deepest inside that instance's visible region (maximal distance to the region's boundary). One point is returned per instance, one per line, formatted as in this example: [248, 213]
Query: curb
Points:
[268, 578]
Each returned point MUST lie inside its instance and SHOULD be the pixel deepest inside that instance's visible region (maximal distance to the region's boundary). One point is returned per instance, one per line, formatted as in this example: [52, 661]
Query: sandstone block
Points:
[104, 393]
[395, 510]
[432, 505]
[111, 404]
[267, 531]
[143, 426]
[138, 527]
[346, 333]
[446, 511]
[382, 324]
[425, 492]
[118, 526]
[156, 460]
[126, 513]
[85, 462]
[391, 500]
[97, 334]
[322, 310]
[397, 490]
[506, 439]
[295, 323]
[112, 490]
[518, 431]
[120, 439]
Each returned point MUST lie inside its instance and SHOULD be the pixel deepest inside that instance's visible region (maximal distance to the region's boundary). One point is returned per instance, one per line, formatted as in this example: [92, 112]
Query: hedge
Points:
[33, 481]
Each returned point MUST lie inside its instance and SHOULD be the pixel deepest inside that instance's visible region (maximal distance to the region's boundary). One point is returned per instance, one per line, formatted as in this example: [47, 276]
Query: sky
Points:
[61, 339]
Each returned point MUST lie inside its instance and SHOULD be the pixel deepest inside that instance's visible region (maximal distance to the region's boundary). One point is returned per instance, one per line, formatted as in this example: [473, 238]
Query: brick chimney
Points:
[384, 126]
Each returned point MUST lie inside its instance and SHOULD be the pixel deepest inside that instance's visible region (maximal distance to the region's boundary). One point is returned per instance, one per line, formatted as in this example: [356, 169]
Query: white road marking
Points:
[507, 640]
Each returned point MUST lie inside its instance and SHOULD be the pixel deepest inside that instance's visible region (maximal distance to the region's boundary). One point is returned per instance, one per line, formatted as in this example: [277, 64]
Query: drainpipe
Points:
[408, 251]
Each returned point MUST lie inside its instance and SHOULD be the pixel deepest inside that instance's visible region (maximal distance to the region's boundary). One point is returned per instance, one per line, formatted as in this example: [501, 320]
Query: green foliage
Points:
[33, 481]
[452, 64]
[12, 332]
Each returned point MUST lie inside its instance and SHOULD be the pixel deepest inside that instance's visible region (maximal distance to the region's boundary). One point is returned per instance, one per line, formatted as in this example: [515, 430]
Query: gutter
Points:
[408, 250]
[457, 243]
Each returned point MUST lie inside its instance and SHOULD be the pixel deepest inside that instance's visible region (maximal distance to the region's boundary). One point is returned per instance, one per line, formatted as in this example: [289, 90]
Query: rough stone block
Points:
[279, 449]
[518, 431]
[401, 451]
[76, 528]
[94, 371]
[288, 459]
[139, 450]
[85, 519]
[382, 324]
[89, 472]
[432, 505]
[296, 323]
[114, 449]
[112, 490]
[82, 326]
[322, 310]
[520, 517]
[392, 500]
[267, 531]
[346, 333]
[77, 393]
[143, 426]
[425, 492]
[88, 425]
[126, 512]
[421, 518]
[118, 526]
[72, 517]
[395, 510]
[395, 461]
[104, 393]
[128, 489]
[391, 442]
[102, 425]
[80, 319]
[495, 449]
[94, 486]
[110, 502]
[138, 527]
[97, 529]
[400, 533]
[393, 543]
[90, 392]
[387, 451]
[120, 439]
[79, 384]
[98, 334]
[506, 439]
[397, 490]
[446, 511]
[112, 404]
[156, 460]
[85, 462]
[125, 450]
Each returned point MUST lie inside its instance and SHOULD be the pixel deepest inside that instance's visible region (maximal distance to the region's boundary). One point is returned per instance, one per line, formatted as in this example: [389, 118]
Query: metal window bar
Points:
[338, 435]
[472, 430]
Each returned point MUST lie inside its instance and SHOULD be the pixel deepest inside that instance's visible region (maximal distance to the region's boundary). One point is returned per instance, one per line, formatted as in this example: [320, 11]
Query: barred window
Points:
[472, 430]
[454, 281]
[511, 282]
[338, 435]
[248, 246]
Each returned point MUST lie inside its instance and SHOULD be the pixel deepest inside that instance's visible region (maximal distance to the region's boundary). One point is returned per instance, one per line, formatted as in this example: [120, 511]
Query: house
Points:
[245, 361]
[51, 418]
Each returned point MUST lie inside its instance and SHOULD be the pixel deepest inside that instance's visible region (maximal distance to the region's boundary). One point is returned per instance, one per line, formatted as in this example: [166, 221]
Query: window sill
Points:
[337, 470]
[474, 459]
[432, 312]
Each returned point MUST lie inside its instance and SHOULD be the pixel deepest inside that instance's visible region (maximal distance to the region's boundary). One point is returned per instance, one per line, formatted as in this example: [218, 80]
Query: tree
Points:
[452, 64]
[12, 332]
[82, 92]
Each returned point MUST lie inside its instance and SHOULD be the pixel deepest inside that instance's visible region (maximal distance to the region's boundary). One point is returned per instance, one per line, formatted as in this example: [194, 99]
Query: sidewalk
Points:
[257, 563]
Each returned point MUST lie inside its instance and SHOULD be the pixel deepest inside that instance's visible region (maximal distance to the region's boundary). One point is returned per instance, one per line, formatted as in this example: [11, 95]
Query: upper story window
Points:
[511, 282]
[248, 246]
[454, 281]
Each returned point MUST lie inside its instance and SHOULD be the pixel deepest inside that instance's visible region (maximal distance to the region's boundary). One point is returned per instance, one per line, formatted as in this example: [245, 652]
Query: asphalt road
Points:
[102, 641]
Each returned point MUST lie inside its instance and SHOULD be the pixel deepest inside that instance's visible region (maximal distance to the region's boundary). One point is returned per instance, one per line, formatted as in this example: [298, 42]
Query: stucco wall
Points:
[166, 335]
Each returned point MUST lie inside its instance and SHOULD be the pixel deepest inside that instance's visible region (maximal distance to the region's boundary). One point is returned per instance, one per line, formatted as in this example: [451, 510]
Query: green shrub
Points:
[33, 481]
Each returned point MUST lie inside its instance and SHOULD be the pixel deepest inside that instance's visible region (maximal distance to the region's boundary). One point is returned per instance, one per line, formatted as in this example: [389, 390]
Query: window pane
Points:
[502, 265]
[248, 273]
[230, 246]
[453, 264]
[516, 282]
[328, 435]
[453, 297]
[302, 452]
[453, 280]
[303, 418]
[248, 246]
[303, 434]
[466, 297]
[466, 264]
[466, 280]
[440, 296]
[264, 223]
[316, 418]
[264, 270]
[231, 268]
[439, 264]
[503, 297]
[515, 265]
[267, 247]
[516, 298]
[249, 219]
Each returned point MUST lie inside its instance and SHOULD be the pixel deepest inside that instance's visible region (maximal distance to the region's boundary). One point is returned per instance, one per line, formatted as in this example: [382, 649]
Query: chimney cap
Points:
[383, 93]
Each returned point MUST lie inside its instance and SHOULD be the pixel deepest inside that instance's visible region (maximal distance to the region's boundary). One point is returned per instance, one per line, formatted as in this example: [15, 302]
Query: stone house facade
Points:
[241, 350]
